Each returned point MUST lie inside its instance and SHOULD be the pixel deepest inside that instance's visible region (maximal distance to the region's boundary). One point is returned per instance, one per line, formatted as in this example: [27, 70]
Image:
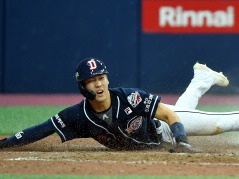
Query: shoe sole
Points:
[222, 80]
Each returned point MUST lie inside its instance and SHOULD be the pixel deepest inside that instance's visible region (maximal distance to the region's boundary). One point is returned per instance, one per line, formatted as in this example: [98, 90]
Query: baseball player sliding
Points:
[131, 118]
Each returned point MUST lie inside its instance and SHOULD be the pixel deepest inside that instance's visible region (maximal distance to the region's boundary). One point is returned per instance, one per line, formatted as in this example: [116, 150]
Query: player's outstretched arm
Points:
[170, 117]
[28, 135]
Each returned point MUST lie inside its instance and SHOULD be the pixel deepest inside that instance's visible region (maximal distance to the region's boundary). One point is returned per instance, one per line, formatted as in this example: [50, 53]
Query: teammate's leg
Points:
[202, 81]
[209, 123]
[200, 122]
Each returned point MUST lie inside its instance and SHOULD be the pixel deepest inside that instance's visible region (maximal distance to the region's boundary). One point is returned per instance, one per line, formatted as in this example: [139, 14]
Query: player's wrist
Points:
[179, 133]
[183, 139]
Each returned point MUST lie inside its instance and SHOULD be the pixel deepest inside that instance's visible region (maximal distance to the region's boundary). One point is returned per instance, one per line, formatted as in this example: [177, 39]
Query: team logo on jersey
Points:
[134, 125]
[105, 117]
[128, 110]
[134, 99]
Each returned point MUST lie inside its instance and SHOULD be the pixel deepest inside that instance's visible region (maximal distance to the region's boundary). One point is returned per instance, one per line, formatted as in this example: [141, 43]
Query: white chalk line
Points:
[126, 162]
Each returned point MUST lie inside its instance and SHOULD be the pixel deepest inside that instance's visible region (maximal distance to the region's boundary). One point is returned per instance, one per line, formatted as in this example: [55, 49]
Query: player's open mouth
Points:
[99, 92]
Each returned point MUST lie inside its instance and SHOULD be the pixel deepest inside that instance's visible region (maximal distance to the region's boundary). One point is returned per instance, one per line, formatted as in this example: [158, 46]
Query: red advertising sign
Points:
[190, 16]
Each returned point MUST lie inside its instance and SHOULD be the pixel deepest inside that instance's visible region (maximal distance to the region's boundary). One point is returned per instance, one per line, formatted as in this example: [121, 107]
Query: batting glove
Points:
[3, 143]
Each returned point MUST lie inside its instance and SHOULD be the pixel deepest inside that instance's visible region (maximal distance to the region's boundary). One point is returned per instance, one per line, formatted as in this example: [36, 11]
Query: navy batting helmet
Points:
[88, 68]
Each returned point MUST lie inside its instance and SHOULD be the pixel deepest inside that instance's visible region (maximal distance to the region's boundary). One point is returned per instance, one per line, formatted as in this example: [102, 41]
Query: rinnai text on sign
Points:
[190, 16]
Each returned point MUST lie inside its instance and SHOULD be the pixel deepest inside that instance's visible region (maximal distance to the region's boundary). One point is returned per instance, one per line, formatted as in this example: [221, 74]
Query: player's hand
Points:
[186, 148]
[183, 147]
[3, 143]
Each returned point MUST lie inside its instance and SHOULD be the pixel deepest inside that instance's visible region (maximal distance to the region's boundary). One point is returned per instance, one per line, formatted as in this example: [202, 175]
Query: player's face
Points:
[98, 84]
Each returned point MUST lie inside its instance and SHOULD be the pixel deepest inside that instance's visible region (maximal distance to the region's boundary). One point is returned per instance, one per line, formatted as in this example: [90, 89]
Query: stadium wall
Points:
[43, 41]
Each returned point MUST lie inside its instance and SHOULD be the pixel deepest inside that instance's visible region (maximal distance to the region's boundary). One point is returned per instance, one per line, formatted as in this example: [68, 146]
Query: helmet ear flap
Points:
[87, 93]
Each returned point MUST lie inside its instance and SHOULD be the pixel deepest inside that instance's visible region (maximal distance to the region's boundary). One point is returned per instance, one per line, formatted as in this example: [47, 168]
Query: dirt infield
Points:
[220, 157]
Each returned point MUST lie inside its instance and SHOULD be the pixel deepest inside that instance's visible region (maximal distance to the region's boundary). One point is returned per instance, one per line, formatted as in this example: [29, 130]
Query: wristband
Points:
[177, 129]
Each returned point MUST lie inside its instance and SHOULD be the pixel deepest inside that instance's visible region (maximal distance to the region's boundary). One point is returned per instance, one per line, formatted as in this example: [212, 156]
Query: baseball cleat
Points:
[221, 80]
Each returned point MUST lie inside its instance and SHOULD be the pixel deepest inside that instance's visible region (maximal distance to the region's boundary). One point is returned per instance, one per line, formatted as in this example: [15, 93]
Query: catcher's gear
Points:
[89, 68]
[3, 143]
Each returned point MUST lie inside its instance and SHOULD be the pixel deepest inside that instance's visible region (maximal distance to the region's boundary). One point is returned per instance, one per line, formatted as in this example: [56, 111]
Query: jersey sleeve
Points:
[142, 102]
[69, 124]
